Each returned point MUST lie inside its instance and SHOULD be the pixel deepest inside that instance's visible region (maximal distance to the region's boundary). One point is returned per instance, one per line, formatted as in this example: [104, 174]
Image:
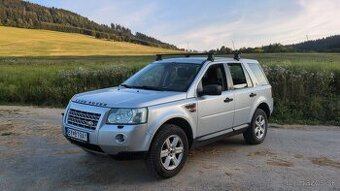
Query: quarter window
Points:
[237, 74]
[259, 74]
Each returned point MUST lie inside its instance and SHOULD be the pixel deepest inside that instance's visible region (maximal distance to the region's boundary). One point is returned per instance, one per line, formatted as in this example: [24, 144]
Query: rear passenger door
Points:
[243, 92]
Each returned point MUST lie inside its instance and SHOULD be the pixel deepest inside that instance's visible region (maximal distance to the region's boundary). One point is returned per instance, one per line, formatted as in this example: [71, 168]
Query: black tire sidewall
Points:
[249, 135]
[153, 160]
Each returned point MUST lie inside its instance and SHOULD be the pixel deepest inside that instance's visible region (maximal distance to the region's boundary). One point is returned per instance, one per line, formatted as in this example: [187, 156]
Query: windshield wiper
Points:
[148, 88]
[142, 87]
[125, 85]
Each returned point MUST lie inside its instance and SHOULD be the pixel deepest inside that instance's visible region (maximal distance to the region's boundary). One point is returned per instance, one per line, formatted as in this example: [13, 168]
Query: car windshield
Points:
[164, 77]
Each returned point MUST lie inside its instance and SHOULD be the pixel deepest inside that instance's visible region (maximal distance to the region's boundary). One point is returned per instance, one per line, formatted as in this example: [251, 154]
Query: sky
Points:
[209, 24]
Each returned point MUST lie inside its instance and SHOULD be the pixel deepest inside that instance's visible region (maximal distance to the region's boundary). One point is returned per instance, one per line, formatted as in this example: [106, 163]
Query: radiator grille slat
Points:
[83, 119]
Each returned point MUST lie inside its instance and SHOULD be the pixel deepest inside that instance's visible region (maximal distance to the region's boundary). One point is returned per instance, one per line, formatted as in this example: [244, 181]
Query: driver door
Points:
[215, 112]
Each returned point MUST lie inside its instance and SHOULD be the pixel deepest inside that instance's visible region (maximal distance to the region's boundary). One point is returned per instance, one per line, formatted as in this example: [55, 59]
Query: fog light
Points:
[120, 138]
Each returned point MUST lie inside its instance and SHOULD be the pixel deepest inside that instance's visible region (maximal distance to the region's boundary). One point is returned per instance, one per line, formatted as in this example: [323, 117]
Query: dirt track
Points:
[35, 156]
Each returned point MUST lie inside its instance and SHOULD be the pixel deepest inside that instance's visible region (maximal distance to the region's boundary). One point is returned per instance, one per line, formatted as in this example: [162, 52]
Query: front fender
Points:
[158, 115]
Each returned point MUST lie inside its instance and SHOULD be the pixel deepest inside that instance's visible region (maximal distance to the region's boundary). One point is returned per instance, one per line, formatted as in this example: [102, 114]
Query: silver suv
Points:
[171, 106]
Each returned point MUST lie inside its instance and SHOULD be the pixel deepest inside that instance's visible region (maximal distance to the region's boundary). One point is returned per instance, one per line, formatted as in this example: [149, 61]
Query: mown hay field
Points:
[305, 85]
[33, 42]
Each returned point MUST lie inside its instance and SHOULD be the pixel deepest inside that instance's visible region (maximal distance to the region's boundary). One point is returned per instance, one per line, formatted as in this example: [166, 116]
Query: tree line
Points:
[17, 13]
[328, 44]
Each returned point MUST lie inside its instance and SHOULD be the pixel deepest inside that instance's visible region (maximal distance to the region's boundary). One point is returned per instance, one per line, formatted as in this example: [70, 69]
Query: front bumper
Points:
[103, 139]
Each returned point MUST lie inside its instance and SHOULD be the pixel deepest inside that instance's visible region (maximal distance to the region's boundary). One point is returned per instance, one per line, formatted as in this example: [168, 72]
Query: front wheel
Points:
[168, 151]
[257, 131]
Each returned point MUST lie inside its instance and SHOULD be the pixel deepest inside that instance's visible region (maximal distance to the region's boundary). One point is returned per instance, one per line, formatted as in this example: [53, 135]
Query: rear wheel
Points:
[257, 130]
[168, 151]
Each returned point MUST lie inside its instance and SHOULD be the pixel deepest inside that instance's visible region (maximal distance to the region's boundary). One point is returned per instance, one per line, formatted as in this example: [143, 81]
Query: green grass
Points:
[305, 86]
[33, 42]
[42, 80]
[46, 68]
[300, 61]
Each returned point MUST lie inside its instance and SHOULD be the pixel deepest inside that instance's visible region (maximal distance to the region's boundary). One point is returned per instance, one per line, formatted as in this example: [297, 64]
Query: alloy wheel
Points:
[171, 152]
[260, 126]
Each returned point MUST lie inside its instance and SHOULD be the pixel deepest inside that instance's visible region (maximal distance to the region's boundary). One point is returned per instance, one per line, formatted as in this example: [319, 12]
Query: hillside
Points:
[328, 44]
[33, 42]
[17, 13]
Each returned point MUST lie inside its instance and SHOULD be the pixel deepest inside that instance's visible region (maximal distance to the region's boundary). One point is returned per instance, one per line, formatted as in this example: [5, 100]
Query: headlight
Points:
[127, 116]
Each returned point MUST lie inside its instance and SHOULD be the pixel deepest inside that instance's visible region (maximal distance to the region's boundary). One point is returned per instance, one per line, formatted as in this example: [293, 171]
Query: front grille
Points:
[83, 119]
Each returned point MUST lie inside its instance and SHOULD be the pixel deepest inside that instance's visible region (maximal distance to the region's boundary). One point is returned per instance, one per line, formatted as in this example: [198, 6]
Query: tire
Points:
[172, 159]
[257, 131]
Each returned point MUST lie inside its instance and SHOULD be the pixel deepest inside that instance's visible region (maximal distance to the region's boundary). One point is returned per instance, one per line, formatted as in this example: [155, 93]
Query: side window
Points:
[259, 74]
[238, 76]
[215, 75]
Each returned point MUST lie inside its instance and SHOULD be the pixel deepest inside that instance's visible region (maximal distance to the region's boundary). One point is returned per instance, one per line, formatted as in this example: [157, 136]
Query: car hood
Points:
[127, 98]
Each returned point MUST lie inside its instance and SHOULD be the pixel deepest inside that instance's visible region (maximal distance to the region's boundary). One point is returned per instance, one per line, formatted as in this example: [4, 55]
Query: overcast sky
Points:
[208, 24]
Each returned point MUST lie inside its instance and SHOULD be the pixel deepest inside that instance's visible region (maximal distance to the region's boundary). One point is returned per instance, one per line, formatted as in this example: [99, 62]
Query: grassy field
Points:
[305, 86]
[300, 61]
[31, 42]
[40, 68]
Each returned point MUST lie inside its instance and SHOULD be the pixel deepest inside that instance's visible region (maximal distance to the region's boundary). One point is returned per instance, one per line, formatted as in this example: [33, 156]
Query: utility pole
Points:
[307, 37]
[233, 45]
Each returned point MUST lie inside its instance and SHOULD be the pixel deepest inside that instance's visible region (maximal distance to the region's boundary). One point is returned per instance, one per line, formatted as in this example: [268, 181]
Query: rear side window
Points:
[258, 72]
[237, 74]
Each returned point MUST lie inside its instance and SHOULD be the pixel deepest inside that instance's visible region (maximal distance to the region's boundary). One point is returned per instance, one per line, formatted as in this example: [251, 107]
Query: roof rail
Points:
[210, 55]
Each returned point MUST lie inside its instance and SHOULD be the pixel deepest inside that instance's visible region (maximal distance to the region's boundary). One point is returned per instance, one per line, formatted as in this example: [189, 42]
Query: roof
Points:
[201, 60]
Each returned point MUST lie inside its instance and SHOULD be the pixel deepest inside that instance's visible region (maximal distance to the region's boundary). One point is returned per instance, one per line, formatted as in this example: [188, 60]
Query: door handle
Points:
[252, 95]
[227, 100]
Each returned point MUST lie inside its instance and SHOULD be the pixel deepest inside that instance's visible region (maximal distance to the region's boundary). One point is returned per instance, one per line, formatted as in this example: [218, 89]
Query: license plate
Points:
[78, 135]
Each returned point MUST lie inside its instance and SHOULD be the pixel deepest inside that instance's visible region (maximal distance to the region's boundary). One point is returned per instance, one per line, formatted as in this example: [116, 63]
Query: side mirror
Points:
[212, 89]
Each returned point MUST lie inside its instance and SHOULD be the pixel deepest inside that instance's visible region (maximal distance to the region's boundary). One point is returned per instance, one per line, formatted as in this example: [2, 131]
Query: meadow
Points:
[305, 85]
[33, 42]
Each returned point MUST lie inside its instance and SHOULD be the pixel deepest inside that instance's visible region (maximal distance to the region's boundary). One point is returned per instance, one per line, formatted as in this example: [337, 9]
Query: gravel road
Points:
[35, 156]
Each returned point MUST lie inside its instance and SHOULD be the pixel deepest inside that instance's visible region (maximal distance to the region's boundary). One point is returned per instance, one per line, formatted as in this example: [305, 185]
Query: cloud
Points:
[125, 13]
[205, 25]
[313, 18]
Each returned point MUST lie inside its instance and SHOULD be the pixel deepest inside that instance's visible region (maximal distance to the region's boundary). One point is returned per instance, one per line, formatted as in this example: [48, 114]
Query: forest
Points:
[327, 44]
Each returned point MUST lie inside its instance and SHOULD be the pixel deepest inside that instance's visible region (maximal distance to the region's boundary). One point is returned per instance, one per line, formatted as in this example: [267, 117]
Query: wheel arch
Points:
[183, 124]
[180, 122]
[265, 107]
[263, 103]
